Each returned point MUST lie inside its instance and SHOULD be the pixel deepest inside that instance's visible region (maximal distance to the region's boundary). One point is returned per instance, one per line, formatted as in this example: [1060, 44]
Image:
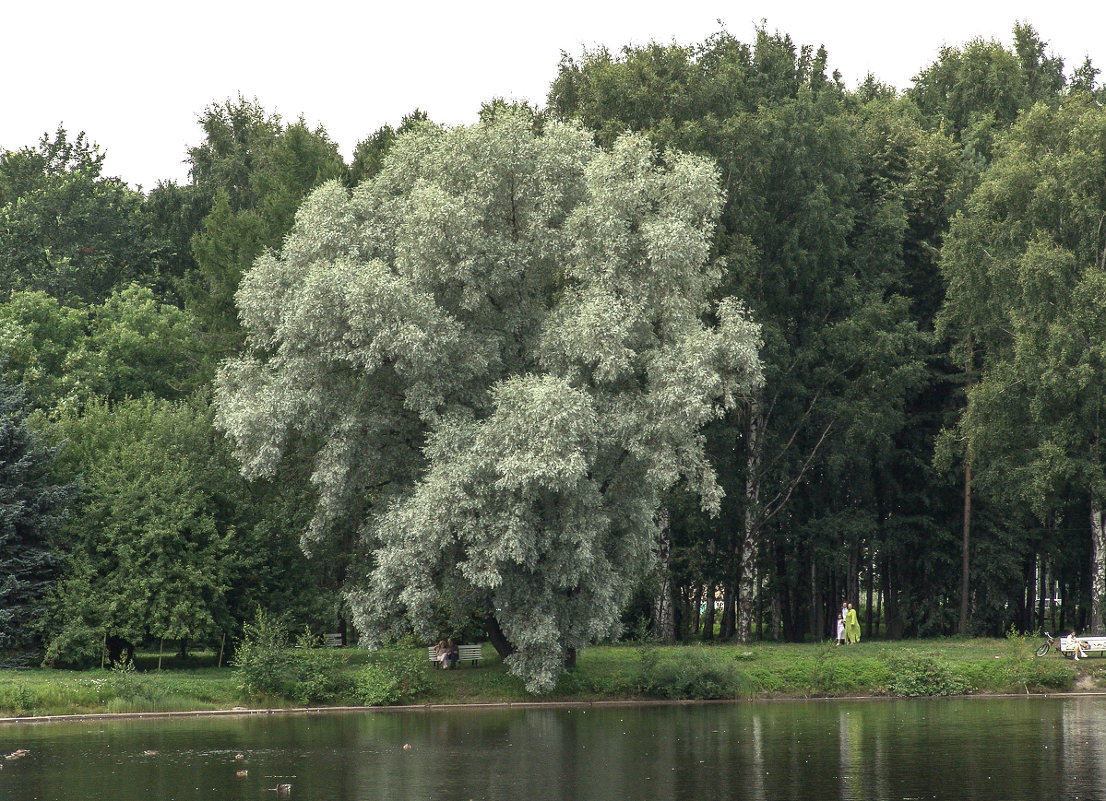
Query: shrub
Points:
[1033, 674]
[375, 685]
[19, 699]
[75, 644]
[915, 674]
[262, 662]
[395, 674]
[318, 676]
[692, 674]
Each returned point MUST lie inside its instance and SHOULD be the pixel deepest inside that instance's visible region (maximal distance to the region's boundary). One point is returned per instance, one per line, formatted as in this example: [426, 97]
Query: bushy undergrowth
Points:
[1027, 674]
[395, 674]
[694, 674]
[915, 674]
[269, 669]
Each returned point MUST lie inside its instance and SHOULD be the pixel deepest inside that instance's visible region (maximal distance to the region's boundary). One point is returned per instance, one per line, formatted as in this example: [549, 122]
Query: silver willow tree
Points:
[500, 352]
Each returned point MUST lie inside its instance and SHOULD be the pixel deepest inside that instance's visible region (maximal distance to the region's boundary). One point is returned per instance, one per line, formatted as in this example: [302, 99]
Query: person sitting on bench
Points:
[1076, 646]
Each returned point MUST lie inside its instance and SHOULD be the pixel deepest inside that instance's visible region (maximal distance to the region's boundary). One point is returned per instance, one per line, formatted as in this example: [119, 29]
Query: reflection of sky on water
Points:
[847, 750]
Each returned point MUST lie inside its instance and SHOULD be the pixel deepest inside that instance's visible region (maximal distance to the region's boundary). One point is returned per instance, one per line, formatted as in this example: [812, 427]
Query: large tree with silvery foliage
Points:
[500, 351]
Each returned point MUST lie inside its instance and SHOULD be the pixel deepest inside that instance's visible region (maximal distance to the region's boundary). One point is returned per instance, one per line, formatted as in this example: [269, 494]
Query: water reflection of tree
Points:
[1083, 731]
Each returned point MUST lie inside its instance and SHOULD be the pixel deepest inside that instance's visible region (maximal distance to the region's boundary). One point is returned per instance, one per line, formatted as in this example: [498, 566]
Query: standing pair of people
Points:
[848, 625]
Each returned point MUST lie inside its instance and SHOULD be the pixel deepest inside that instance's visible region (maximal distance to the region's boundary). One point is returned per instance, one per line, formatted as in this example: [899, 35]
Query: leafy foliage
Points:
[821, 212]
[69, 231]
[464, 392]
[1027, 283]
[914, 674]
[252, 171]
[497, 344]
[123, 348]
[261, 660]
[149, 551]
[32, 505]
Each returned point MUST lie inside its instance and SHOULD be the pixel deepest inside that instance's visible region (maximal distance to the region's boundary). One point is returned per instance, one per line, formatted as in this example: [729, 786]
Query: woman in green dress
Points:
[852, 627]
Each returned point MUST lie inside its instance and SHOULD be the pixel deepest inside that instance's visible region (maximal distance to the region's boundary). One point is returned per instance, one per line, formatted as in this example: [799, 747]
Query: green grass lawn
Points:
[613, 672]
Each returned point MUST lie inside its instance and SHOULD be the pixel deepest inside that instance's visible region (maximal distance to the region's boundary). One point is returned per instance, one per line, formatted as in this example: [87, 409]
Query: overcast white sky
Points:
[135, 74]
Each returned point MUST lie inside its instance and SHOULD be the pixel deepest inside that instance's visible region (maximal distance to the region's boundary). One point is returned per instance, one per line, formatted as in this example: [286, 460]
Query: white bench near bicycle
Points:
[1087, 645]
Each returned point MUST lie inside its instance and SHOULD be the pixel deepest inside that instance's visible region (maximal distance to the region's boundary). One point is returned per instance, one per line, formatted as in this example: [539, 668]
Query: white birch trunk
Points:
[1098, 565]
[746, 582]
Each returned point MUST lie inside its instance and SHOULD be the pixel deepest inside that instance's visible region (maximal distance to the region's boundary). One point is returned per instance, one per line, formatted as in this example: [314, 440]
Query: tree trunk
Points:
[708, 617]
[816, 611]
[774, 617]
[966, 529]
[662, 612]
[852, 593]
[965, 546]
[1042, 588]
[680, 615]
[1098, 567]
[870, 569]
[726, 629]
[696, 611]
[892, 621]
[1059, 627]
[752, 522]
[1030, 603]
[497, 638]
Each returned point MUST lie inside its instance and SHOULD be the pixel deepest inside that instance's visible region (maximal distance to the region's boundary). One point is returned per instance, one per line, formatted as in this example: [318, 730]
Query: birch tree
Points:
[1026, 269]
[502, 351]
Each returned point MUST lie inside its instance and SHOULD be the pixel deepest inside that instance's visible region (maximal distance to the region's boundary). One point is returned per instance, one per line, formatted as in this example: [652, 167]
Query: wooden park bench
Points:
[465, 653]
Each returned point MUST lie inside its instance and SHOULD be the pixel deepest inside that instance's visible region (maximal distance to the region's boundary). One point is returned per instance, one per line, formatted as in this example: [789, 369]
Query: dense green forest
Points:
[708, 325]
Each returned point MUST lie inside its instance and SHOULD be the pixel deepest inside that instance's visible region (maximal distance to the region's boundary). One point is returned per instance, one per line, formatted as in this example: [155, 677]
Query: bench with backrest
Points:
[465, 653]
[1091, 645]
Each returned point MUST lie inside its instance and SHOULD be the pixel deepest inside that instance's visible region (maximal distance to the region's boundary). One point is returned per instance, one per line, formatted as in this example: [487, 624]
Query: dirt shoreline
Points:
[437, 707]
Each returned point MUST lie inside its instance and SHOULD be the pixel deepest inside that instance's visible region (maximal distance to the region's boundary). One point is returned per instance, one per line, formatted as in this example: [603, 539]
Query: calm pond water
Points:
[1029, 748]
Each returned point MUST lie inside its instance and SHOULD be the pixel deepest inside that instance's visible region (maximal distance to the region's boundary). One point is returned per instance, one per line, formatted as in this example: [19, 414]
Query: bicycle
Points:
[1047, 645]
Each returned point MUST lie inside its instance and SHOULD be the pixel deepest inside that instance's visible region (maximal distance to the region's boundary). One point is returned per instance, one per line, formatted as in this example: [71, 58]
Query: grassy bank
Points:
[619, 672]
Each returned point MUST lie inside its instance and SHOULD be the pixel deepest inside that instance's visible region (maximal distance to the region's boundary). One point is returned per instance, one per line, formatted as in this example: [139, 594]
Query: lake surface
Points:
[1031, 748]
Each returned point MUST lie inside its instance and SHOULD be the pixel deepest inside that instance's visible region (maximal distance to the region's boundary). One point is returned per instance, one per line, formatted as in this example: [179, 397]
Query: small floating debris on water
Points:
[239, 756]
[18, 753]
[241, 774]
[150, 752]
[407, 746]
[282, 790]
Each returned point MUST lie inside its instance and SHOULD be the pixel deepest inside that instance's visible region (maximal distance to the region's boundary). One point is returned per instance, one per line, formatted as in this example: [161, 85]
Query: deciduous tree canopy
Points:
[498, 344]
[31, 507]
